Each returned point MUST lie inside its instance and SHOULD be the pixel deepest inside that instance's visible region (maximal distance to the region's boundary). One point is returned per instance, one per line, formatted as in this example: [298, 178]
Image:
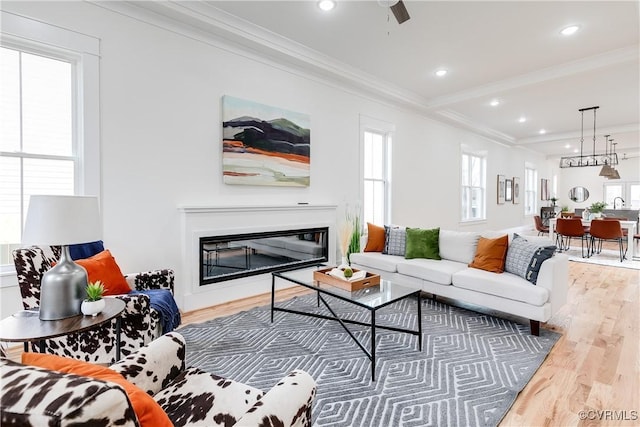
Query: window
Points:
[376, 171]
[627, 191]
[530, 190]
[611, 191]
[473, 191]
[49, 132]
[36, 144]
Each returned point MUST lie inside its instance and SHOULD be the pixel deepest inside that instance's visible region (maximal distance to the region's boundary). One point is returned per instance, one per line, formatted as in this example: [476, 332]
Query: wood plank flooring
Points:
[594, 367]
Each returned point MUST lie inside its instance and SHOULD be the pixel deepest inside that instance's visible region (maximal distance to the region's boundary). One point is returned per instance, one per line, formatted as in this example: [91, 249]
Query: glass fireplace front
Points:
[241, 255]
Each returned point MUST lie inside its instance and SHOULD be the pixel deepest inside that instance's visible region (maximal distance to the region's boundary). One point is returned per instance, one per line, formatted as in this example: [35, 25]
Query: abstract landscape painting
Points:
[264, 145]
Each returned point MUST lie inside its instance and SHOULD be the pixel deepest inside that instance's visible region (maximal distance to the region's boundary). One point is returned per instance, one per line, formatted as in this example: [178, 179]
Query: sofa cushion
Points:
[422, 243]
[196, 397]
[504, 285]
[436, 271]
[148, 412]
[394, 240]
[524, 258]
[376, 260]
[491, 254]
[375, 238]
[458, 245]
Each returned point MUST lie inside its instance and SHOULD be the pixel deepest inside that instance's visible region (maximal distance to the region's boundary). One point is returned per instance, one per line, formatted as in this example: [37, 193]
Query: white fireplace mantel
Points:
[213, 220]
[257, 208]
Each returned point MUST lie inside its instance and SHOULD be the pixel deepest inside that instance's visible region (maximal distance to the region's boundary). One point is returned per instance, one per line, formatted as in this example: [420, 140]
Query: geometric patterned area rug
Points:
[470, 370]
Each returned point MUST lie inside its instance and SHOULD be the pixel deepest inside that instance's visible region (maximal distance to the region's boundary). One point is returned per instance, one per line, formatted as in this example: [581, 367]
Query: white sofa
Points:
[452, 278]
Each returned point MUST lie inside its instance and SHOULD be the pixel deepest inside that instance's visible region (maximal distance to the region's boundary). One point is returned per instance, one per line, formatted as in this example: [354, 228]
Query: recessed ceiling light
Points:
[569, 30]
[575, 150]
[494, 103]
[441, 72]
[326, 5]
[567, 146]
[522, 119]
[542, 131]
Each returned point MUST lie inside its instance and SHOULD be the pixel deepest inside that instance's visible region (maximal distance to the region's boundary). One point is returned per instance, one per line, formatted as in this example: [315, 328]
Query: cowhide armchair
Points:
[140, 324]
[189, 396]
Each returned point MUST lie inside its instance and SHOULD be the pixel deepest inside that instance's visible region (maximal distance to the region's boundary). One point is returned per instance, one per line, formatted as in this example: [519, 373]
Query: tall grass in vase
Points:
[356, 231]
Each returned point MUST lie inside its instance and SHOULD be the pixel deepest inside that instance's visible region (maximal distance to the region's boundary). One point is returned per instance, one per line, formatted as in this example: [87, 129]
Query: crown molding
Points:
[617, 56]
[203, 21]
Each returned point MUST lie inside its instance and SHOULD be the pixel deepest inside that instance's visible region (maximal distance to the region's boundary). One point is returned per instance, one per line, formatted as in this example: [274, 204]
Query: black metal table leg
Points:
[419, 322]
[373, 345]
[118, 330]
[273, 294]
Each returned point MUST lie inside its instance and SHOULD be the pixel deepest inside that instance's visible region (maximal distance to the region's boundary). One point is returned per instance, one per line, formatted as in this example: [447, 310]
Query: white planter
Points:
[92, 308]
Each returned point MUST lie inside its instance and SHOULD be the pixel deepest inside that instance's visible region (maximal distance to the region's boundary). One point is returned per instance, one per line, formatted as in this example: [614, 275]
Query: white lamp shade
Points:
[62, 220]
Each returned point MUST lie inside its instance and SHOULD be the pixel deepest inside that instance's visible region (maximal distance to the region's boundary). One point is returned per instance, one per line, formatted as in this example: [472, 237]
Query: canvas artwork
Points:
[264, 145]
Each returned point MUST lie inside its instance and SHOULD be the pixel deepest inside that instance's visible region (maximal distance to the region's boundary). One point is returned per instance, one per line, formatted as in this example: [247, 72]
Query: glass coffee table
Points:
[371, 298]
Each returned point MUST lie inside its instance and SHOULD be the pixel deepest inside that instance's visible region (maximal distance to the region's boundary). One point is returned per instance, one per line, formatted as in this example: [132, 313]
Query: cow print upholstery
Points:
[37, 397]
[140, 324]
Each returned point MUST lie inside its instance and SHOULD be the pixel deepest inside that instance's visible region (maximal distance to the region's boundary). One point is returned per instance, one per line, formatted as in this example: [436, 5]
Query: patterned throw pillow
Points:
[395, 240]
[525, 258]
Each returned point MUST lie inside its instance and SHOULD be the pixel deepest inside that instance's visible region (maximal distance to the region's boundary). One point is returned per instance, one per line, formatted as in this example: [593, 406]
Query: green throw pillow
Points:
[422, 243]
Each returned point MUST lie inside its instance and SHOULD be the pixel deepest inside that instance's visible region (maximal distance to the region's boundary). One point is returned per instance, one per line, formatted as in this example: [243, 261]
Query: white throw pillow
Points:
[458, 246]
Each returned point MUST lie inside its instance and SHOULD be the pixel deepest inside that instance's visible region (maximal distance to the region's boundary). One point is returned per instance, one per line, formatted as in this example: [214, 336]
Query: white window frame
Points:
[482, 155]
[83, 52]
[530, 190]
[387, 130]
[625, 191]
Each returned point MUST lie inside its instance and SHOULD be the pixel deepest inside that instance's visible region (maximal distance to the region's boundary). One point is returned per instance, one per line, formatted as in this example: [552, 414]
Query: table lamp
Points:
[64, 221]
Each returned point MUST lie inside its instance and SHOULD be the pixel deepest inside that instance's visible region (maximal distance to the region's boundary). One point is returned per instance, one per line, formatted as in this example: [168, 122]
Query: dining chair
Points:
[566, 228]
[607, 230]
[618, 218]
[540, 227]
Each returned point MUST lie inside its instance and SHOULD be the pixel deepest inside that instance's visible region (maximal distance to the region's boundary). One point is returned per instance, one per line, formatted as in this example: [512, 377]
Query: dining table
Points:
[630, 226]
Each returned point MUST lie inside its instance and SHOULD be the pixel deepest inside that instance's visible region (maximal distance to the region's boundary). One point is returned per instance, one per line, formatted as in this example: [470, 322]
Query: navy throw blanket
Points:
[162, 300]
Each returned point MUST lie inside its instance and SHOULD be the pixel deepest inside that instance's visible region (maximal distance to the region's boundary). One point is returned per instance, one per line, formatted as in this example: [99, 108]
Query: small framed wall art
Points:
[501, 189]
[544, 189]
[516, 190]
[508, 190]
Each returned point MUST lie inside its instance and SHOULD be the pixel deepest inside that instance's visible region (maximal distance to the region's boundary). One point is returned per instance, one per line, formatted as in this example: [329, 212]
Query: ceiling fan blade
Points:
[400, 12]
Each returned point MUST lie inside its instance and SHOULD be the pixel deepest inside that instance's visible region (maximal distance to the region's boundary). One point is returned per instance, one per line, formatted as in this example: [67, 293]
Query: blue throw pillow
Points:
[525, 258]
[85, 250]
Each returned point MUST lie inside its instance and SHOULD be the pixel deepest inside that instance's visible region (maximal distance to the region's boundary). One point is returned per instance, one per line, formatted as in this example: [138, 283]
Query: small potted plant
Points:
[597, 208]
[553, 201]
[94, 303]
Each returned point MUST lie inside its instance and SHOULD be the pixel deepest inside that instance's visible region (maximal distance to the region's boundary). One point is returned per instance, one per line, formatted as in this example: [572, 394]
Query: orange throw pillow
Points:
[375, 238]
[149, 413]
[491, 254]
[103, 267]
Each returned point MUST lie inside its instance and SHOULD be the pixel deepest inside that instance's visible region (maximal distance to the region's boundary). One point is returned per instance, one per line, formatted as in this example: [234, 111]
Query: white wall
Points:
[160, 137]
[589, 178]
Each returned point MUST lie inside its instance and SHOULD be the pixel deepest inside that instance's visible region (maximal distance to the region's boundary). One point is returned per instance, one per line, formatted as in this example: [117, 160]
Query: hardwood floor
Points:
[594, 367]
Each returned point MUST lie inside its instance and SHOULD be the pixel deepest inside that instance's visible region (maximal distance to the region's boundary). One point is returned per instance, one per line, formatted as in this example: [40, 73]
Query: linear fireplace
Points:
[240, 255]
